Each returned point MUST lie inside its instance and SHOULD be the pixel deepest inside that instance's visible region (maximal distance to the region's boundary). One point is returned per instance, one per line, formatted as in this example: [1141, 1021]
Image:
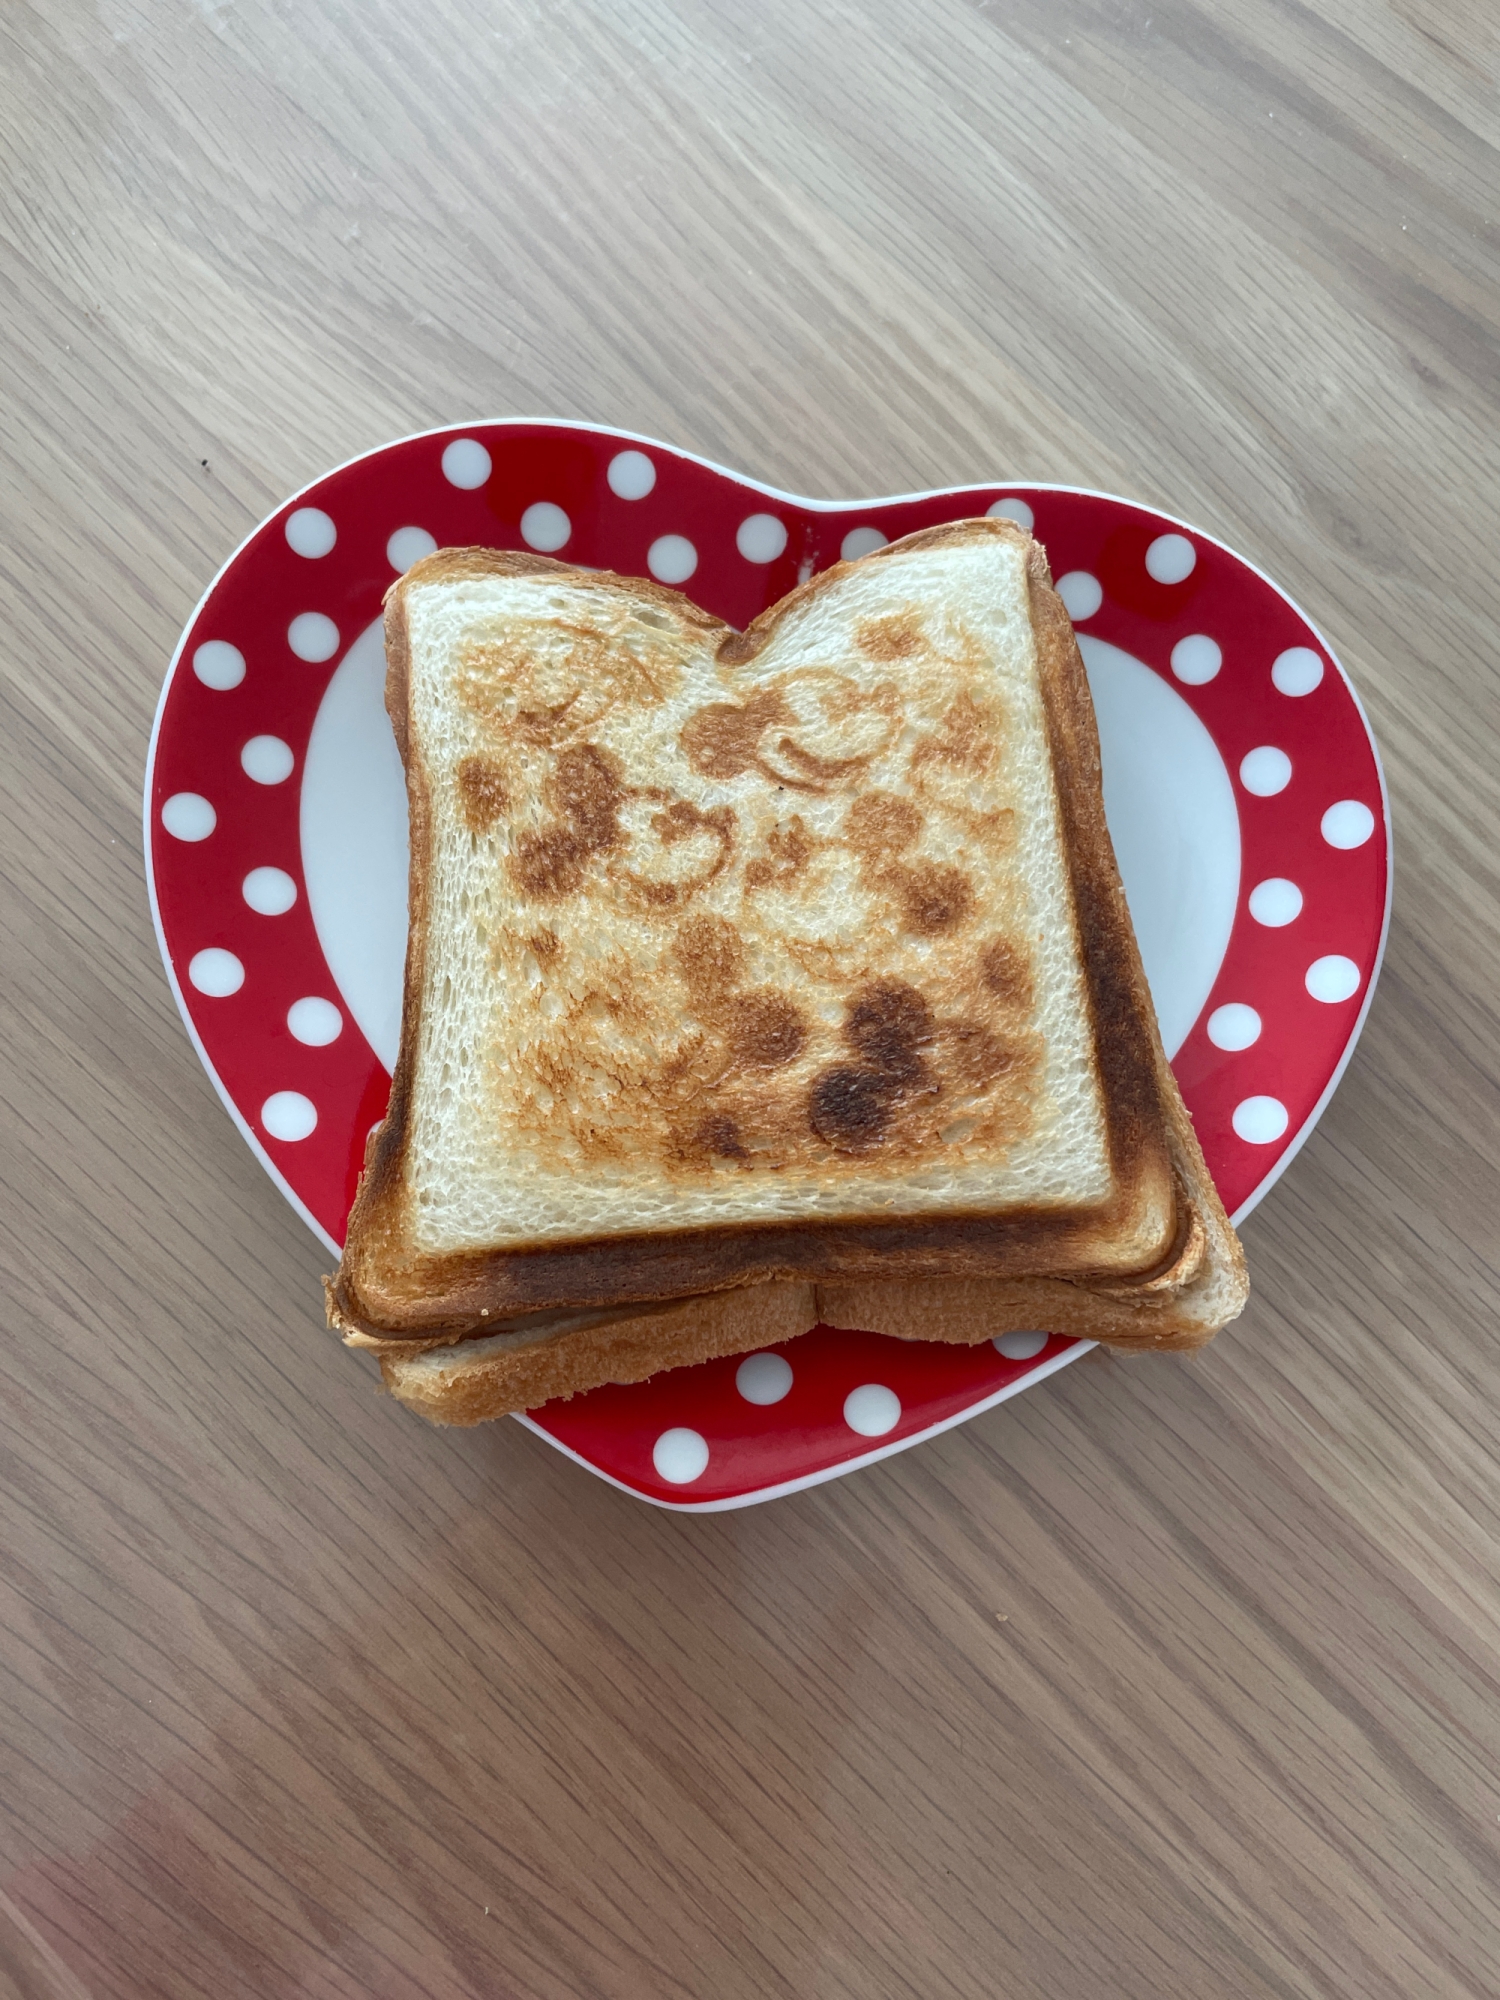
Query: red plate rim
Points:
[1289, 1147]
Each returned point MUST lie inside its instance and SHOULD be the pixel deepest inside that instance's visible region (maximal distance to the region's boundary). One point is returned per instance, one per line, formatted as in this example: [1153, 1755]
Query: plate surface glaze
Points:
[1241, 783]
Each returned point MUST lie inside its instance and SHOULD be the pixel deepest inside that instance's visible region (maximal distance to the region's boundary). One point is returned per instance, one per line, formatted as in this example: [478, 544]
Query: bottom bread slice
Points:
[1201, 1288]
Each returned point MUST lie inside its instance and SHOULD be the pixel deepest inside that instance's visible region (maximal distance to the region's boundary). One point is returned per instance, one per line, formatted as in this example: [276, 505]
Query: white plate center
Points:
[1169, 801]
[1168, 798]
[354, 843]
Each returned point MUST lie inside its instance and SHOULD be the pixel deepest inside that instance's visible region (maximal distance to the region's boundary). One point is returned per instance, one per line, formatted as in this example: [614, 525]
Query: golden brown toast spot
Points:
[896, 636]
[964, 740]
[934, 898]
[483, 792]
[765, 1030]
[679, 824]
[586, 793]
[723, 739]
[1006, 972]
[710, 955]
[789, 849]
[880, 823]
[823, 727]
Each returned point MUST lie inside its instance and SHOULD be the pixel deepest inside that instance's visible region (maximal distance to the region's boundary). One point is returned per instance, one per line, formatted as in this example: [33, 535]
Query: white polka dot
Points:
[1081, 594]
[270, 892]
[671, 558]
[1266, 771]
[1297, 671]
[218, 664]
[760, 538]
[1196, 659]
[408, 546]
[680, 1455]
[1333, 978]
[1233, 1026]
[1011, 509]
[216, 972]
[631, 475]
[188, 816]
[872, 1410]
[1021, 1346]
[287, 1114]
[1260, 1121]
[1275, 902]
[545, 526]
[763, 1378]
[1171, 558]
[310, 532]
[314, 1021]
[311, 636]
[1348, 824]
[861, 542]
[267, 760]
[466, 463]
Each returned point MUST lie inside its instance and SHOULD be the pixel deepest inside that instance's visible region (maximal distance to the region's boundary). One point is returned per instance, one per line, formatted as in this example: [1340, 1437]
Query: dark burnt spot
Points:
[789, 849]
[483, 792]
[978, 1058]
[722, 740]
[1004, 970]
[934, 898]
[887, 1025]
[720, 1135]
[850, 1108]
[880, 823]
[895, 637]
[709, 954]
[546, 945]
[587, 792]
[766, 1030]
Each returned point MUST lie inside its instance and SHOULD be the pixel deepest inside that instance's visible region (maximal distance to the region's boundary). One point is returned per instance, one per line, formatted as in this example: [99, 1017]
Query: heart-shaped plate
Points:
[1242, 787]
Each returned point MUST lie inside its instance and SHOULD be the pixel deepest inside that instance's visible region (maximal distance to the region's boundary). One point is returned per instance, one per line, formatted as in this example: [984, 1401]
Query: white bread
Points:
[757, 979]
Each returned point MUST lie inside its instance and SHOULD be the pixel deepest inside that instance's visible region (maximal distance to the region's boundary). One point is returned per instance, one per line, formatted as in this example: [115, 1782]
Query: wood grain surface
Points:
[1172, 1678]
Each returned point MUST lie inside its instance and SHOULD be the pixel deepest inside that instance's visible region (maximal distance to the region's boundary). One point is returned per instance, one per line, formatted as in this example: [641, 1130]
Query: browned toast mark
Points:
[1006, 973]
[934, 898]
[723, 740]
[710, 955]
[790, 848]
[720, 1135]
[586, 792]
[887, 1024]
[483, 792]
[880, 823]
[766, 1030]
[896, 636]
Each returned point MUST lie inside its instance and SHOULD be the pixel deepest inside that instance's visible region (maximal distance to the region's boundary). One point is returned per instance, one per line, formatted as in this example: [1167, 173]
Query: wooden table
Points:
[1172, 1678]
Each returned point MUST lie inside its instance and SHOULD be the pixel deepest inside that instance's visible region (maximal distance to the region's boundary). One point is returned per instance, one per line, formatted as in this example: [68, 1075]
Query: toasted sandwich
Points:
[761, 979]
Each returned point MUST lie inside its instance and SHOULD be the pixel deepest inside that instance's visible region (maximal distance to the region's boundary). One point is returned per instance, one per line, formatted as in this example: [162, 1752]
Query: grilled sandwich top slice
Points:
[793, 953]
